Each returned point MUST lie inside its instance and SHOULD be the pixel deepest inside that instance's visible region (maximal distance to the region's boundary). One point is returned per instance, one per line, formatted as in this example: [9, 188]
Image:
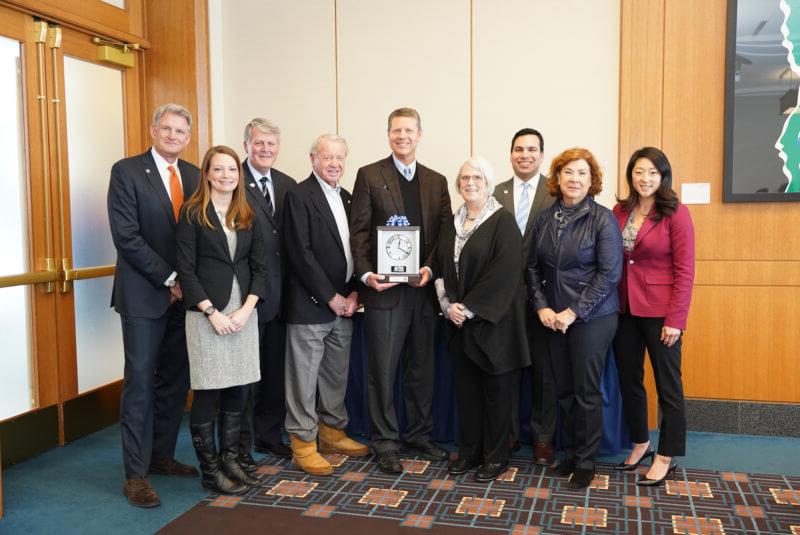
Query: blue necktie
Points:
[407, 173]
[523, 207]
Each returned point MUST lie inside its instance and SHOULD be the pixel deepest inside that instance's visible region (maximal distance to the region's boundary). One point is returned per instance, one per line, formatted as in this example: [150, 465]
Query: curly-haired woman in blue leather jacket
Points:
[574, 265]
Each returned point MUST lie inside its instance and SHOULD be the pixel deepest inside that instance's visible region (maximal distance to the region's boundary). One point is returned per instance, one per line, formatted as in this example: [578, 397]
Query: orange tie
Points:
[175, 192]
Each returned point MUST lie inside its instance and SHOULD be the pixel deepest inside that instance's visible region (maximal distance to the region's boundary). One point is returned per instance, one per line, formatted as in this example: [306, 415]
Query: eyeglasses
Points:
[651, 173]
[465, 179]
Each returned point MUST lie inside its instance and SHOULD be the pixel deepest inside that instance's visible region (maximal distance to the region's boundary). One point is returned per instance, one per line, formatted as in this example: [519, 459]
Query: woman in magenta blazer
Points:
[654, 296]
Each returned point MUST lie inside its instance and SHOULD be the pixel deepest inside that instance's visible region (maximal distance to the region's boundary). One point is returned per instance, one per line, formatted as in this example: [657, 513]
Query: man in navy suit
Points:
[320, 300]
[144, 199]
[266, 189]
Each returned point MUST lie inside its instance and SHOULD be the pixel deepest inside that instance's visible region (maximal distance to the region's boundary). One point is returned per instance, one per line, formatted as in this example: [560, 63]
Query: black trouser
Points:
[411, 326]
[634, 334]
[578, 358]
[484, 401]
[543, 413]
[204, 402]
[265, 401]
[154, 389]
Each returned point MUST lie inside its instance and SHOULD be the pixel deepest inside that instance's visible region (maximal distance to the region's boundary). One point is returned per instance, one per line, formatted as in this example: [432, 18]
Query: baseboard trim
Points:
[92, 411]
[743, 417]
[28, 435]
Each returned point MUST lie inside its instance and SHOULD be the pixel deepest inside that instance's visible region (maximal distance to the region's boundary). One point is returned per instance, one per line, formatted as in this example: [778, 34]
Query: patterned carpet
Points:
[525, 500]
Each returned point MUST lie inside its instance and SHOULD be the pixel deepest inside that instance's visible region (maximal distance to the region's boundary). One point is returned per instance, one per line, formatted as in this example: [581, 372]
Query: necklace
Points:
[472, 218]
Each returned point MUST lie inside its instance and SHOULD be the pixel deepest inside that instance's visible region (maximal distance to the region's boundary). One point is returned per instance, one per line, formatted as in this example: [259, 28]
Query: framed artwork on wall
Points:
[762, 116]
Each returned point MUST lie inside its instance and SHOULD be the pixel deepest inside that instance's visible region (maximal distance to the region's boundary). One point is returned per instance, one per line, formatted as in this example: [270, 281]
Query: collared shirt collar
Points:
[163, 164]
[325, 186]
[533, 181]
[257, 174]
[400, 165]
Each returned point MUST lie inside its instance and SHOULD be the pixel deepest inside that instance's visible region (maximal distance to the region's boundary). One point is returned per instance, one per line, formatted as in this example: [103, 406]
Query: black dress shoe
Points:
[171, 467]
[247, 463]
[429, 450]
[622, 467]
[581, 478]
[389, 462]
[279, 449]
[490, 471]
[644, 482]
[461, 466]
[564, 468]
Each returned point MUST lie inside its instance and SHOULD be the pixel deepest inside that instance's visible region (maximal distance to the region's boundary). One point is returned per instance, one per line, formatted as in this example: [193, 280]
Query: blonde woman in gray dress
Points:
[222, 274]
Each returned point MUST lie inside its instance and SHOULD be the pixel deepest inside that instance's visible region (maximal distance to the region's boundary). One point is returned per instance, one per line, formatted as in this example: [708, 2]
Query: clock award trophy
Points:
[398, 251]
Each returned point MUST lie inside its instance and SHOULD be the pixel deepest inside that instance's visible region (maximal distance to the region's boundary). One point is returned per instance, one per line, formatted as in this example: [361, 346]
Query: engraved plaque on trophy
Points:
[398, 253]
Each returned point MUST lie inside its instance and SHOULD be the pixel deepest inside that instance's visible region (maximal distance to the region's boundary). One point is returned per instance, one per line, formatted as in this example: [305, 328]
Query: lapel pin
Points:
[147, 170]
[505, 192]
[252, 185]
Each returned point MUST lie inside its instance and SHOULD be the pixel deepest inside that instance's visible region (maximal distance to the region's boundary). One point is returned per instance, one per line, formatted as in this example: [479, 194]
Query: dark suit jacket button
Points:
[274, 231]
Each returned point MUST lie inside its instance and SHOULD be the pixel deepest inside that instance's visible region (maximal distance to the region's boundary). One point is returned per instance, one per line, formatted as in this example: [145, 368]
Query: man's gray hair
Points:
[262, 125]
[483, 167]
[332, 138]
[177, 109]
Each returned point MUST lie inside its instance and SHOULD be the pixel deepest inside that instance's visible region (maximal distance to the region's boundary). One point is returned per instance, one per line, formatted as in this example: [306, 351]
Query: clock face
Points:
[398, 247]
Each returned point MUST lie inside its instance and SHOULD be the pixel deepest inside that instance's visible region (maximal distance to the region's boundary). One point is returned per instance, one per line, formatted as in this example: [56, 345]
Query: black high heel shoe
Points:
[622, 467]
[644, 482]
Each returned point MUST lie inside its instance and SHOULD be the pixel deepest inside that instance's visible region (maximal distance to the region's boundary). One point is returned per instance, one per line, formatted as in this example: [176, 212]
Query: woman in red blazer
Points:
[654, 296]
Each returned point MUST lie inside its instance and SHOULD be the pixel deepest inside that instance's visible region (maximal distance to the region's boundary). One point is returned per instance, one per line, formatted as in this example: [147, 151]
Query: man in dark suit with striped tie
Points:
[266, 189]
[525, 196]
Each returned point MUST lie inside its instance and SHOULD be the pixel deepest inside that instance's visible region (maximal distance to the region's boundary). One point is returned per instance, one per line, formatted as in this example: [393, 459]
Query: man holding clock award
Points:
[399, 190]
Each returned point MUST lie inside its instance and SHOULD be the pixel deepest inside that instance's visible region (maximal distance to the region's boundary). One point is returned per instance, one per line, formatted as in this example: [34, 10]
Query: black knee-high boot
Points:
[205, 447]
[231, 427]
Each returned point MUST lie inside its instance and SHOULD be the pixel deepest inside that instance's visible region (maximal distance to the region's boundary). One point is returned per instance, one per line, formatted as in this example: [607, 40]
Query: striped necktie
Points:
[407, 173]
[523, 207]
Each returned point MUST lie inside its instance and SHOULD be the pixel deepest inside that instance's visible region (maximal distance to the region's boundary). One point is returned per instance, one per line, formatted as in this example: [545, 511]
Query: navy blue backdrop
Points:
[445, 415]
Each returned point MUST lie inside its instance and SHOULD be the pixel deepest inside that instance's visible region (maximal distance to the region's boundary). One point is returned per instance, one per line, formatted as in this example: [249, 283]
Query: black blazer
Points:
[376, 197]
[317, 263]
[205, 266]
[143, 230]
[489, 284]
[271, 232]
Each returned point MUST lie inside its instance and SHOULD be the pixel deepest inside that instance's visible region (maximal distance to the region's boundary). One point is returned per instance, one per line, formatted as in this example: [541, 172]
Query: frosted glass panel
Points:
[98, 334]
[95, 139]
[13, 201]
[16, 370]
[116, 3]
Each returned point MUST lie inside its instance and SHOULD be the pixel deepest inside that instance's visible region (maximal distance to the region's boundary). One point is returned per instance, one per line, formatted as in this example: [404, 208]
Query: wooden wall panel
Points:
[742, 338]
[175, 67]
[641, 73]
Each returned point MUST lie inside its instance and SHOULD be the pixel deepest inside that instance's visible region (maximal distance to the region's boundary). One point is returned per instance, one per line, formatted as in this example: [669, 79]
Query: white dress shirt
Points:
[334, 198]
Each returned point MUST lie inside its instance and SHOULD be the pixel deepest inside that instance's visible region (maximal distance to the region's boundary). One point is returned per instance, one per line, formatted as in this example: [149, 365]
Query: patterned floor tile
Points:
[530, 500]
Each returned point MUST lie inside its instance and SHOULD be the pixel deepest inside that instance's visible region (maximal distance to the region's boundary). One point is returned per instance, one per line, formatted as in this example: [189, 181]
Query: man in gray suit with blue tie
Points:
[525, 196]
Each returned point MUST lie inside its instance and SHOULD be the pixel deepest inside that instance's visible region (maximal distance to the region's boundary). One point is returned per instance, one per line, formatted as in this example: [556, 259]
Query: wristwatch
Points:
[209, 311]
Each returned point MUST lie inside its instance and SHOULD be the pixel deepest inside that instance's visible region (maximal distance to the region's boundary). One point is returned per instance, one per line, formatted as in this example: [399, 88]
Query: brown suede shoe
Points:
[171, 467]
[140, 493]
[544, 453]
